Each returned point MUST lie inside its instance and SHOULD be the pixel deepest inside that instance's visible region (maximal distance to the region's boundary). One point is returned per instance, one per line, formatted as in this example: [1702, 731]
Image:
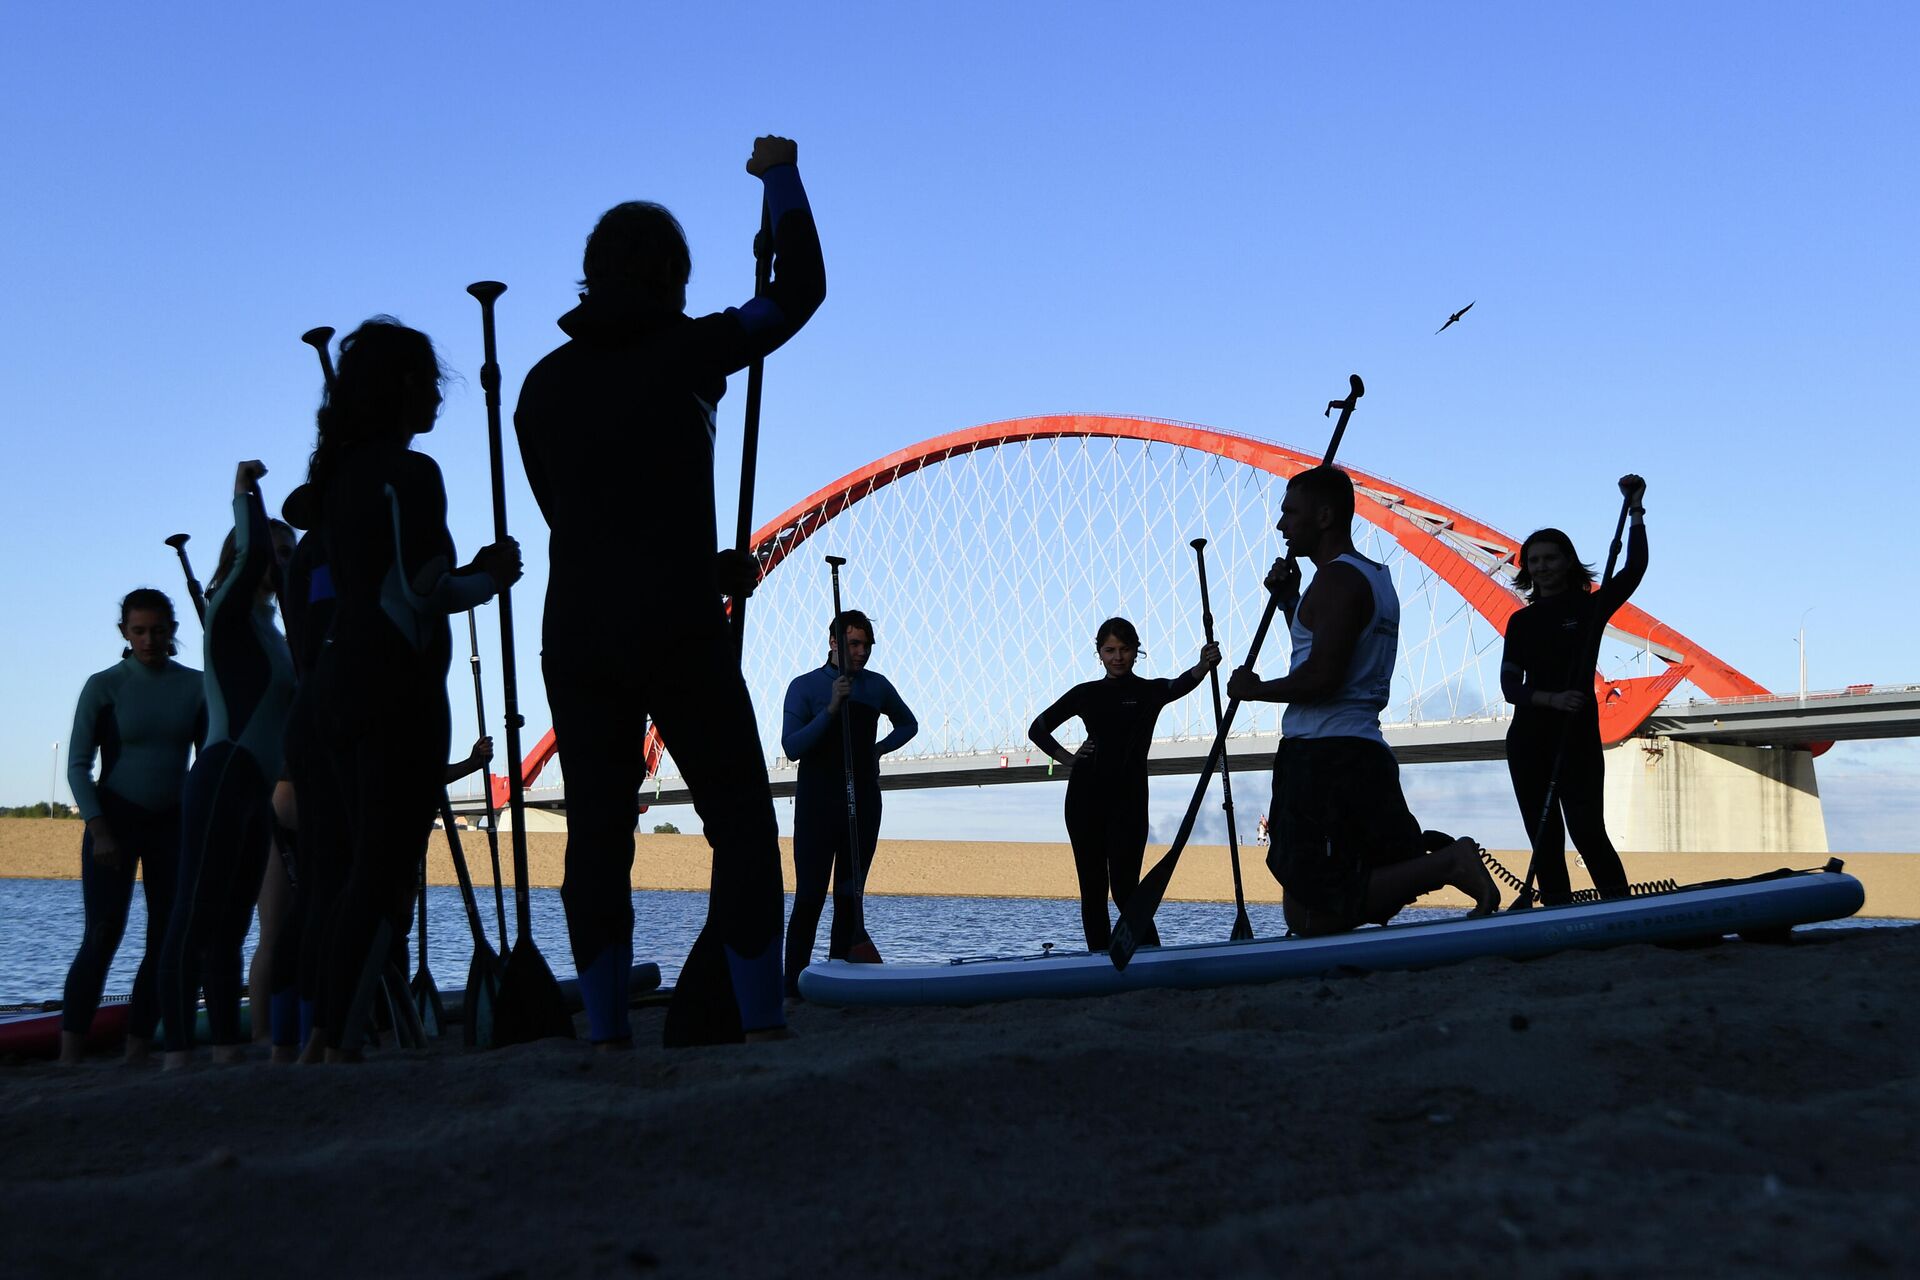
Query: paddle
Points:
[426, 996]
[862, 949]
[530, 1006]
[179, 544]
[1242, 927]
[1585, 659]
[703, 1009]
[486, 778]
[1145, 901]
[483, 974]
[750, 430]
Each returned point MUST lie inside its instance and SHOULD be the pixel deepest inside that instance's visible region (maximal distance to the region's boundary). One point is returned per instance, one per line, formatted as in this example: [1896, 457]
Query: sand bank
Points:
[49, 848]
[1739, 1109]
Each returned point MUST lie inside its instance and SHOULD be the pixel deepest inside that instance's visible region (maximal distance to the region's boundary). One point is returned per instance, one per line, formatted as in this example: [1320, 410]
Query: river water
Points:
[41, 923]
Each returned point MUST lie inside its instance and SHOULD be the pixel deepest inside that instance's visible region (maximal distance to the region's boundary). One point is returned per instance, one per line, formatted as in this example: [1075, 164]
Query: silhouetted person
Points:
[616, 429]
[144, 716]
[1345, 850]
[383, 674]
[322, 852]
[811, 734]
[1107, 782]
[1546, 672]
[226, 811]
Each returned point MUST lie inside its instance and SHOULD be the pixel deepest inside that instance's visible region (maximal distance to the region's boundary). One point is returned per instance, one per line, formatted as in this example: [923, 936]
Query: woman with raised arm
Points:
[142, 716]
[1107, 782]
[226, 813]
[382, 679]
[1547, 674]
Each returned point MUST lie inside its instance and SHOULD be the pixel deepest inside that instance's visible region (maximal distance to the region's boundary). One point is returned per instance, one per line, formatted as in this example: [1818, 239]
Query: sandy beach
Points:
[48, 848]
[1739, 1109]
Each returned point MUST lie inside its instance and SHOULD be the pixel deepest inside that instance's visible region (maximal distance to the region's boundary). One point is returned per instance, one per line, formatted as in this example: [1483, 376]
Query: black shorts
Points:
[1337, 814]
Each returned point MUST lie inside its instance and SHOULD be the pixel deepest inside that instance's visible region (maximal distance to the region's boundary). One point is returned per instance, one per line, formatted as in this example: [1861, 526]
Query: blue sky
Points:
[1688, 229]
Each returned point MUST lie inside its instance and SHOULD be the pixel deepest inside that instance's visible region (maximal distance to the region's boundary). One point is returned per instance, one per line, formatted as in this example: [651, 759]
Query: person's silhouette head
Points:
[638, 248]
[387, 386]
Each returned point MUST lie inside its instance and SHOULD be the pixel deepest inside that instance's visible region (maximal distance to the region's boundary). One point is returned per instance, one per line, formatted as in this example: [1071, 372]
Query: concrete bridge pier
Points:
[1668, 796]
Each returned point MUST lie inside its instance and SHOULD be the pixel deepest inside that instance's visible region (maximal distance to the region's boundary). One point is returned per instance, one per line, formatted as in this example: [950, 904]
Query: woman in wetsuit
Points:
[226, 816]
[382, 677]
[1107, 788]
[142, 715]
[1547, 674]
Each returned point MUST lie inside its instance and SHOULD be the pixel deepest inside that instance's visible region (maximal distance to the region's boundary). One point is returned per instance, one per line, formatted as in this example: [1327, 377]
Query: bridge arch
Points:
[1474, 559]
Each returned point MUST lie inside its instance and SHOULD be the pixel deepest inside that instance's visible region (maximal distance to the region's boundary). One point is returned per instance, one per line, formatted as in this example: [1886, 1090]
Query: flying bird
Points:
[1455, 316]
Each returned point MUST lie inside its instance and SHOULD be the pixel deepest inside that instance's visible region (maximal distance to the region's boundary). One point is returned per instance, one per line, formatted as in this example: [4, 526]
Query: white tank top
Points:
[1354, 711]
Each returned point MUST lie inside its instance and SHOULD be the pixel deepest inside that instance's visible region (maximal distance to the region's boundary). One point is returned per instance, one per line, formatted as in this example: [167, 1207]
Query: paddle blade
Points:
[483, 996]
[530, 1006]
[1137, 919]
[427, 1003]
[1242, 928]
[703, 1010]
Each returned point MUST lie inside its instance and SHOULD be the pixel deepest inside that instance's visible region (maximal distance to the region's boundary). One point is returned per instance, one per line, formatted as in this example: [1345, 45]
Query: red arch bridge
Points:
[987, 556]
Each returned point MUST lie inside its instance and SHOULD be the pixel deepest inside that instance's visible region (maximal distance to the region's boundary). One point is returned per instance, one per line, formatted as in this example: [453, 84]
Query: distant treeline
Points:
[41, 810]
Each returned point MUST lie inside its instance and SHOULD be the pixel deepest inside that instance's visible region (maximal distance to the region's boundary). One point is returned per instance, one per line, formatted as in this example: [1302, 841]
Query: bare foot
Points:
[315, 1052]
[176, 1060]
[1469, 875]
[139, 1051]
[284, 1055]
[230, 1055]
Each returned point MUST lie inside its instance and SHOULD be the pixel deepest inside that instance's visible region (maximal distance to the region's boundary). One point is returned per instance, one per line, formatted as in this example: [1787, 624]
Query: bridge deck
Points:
[1859, 712]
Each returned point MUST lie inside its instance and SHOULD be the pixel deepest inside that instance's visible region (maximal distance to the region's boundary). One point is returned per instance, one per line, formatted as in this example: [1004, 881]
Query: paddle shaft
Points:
[486, 776]
[1146, 899]
[479, 929]
[750, 431]
[1584, 661]
[1242, 927]
[179, 544]
[487, 292]
[846, 730]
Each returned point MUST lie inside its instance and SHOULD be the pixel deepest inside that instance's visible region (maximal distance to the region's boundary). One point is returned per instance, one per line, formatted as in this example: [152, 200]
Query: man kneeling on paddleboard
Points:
[1345, 849]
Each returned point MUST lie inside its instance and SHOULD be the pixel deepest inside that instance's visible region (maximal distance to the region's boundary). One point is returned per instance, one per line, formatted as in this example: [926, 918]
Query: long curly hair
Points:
[381, 364]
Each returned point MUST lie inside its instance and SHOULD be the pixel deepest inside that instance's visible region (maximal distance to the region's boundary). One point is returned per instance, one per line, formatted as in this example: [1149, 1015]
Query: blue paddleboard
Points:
[1761, 905]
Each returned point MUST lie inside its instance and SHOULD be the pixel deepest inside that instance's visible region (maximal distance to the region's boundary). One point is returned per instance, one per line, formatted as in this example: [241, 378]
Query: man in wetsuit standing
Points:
[1345, 849]
[811, 734]
[616, 429]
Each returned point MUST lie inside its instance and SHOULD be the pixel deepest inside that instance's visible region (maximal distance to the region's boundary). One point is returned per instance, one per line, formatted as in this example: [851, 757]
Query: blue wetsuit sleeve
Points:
[81, 746]
[897, 711]
[421, 541]
[231, 603]
[459, 592]
[730, 340]
[804, 717]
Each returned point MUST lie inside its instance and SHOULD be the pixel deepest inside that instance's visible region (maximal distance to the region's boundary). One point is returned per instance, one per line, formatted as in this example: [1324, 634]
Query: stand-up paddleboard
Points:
[1762, 906]
[35, 1032]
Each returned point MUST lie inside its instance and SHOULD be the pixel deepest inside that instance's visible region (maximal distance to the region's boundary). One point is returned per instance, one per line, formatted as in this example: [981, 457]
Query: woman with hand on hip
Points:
[1107, 785]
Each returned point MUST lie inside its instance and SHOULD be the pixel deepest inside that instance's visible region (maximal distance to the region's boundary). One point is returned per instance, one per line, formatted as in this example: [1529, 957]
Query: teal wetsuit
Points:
[142, 722]
[226, 815]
